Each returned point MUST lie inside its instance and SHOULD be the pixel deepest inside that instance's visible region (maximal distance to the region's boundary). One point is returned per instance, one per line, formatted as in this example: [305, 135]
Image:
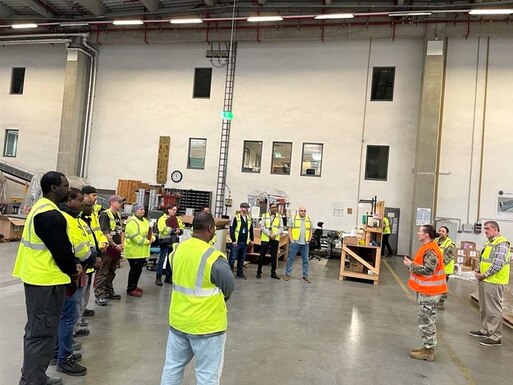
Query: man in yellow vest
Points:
[300, 234]
[386, 236]
[271, 228]
[241, 234]
[493, 277]
[202, 282]
[45, 263]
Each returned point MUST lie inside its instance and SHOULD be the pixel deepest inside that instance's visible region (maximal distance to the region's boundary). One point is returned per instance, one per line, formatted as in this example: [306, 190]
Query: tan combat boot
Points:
[415, 350]
[423, 354]
[440, 305]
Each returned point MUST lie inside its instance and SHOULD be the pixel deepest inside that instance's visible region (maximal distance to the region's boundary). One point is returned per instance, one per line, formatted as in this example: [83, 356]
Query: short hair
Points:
[202, 221]
[51, 178]
[74, 193]
[430, 230]
[446, 228]
[88, 190]
[494, 224]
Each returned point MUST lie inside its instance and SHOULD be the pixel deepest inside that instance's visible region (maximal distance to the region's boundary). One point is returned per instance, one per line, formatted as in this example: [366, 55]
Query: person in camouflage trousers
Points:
[427, 278]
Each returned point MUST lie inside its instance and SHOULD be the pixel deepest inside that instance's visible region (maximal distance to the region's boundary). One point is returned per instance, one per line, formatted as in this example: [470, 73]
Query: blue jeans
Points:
[238, 253]
[164, 252]
[209, 353]
[69, 315]
[293, 249]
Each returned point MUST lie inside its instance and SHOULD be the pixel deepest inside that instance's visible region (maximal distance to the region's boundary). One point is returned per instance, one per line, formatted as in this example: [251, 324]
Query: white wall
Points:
[36, 113]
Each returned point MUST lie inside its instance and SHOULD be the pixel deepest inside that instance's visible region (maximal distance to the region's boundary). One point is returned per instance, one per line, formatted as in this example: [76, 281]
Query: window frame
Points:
[245, 162]
[366, 177]
[272, 157]
[8, 131]
[303, 160]
[196, 70]
[22, 88]
[374, 89]
[189, 165]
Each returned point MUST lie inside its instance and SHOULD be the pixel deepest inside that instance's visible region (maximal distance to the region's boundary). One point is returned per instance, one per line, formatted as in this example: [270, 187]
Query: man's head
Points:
[244, 207]
[90, 194]
[491, 229]
[139, 210]
[75, 199]
[55, 186]
[273, 208]
[302, 211]
[204, 226]
[86, 208]
[206, 209]
[115, 202]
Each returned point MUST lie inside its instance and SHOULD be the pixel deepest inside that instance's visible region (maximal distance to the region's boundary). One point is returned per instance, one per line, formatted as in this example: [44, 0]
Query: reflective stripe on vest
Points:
[78, 238]
[198, 291]
[435, 283]
[273, 226]
[239, 223]
[486, 261]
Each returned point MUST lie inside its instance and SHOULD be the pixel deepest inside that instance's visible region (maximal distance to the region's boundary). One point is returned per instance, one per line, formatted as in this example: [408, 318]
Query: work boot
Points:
[88, 313]
[71, 368]
[440, 305]
[423, 354]
[81, 332]
[101, 301]
[417, 349]
[76, 346]
[53, 381]
[158, 281]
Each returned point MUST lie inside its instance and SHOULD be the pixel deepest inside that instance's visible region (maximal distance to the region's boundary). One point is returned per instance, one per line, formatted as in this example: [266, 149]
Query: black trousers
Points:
[44, 305]
[264, 247]
[386, 244]
[136, 266]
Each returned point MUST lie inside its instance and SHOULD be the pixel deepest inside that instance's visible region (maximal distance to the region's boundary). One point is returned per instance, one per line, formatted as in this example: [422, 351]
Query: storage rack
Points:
[191, 199]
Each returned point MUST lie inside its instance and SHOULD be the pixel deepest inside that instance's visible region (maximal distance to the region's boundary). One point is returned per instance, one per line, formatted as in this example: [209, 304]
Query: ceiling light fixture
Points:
[392, 14]
[497, 11]
[186, 21]
[23, 26]
[334, 16]
[74, 24]
[256, 19]
[127, 22]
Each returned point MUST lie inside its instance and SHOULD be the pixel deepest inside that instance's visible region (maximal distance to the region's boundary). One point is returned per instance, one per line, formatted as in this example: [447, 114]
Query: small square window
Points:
[282, 154]
[311, 162]
[197, 152]
[11, 143]
[383, 84]
[17, 81]
[202, 82]
[252, 158]
[376, 163]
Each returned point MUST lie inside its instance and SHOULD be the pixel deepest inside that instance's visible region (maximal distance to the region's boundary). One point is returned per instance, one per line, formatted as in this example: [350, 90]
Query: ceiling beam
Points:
[39, 8]
[210, 3]
[151, 5]
[96, 7]
[5, 11]
[327, 2]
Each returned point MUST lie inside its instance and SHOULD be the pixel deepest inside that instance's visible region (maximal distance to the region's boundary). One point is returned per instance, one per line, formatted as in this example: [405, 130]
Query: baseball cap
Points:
[88, 190]
[116, 198]
[245, 205]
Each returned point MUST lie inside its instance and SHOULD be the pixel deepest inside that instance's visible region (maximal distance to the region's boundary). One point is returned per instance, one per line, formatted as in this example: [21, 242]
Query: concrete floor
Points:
[324, 333]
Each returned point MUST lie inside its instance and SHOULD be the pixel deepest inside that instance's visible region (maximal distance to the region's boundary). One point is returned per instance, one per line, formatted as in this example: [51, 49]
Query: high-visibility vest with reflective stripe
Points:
[90, 236]
[486, 261]
[78, 237]
[429, 284]
[386, 226]
[449, 268]
[295, 231]
[112, 219]
[97, 230]
[137, 244]
[239, 225]
[34, 262]
[164, 230]
[274, 226]
[197, 305]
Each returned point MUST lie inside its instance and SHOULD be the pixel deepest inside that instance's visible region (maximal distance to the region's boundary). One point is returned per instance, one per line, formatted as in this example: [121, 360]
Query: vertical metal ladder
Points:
[225, 131]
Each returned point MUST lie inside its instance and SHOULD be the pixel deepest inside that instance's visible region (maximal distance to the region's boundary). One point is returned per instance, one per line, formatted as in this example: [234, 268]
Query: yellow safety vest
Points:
[239, 223]
[197, 305]
[274, 226]
[97, 230]
[112, 221]
[486, 261]
[90, 235]
[163, 229]
[78, 237]
[137, 244]
[386, 226]
[449, 268]
[34, 262]
[295, 231]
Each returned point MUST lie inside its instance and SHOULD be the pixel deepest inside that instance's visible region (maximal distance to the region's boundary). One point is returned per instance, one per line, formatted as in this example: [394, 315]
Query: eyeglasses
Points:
[302, 211]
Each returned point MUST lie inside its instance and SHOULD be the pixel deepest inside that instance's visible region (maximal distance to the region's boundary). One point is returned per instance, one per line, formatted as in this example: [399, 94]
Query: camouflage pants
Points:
[426, 318]
[444, 296]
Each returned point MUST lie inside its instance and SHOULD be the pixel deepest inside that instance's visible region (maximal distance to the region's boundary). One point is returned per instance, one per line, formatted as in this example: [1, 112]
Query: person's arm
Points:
[429, 265]
[264, 229]
[280, 227]
[233, 226]
[449, 253]
[221, 275]
[250, 230]
[311, 231]
[51, 226]
[499, 259]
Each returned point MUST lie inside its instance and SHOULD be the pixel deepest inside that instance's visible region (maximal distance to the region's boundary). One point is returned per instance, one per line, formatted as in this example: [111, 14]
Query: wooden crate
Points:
[127, 189]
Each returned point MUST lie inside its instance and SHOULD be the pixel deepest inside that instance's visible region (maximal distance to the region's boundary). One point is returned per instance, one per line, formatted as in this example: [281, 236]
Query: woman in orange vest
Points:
[427, 278]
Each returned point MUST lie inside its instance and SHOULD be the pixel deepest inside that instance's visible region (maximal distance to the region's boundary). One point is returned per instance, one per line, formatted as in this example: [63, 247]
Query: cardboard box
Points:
[473, 253]
[351, 240]
[356, 267]
[11, 227]
[468, 245]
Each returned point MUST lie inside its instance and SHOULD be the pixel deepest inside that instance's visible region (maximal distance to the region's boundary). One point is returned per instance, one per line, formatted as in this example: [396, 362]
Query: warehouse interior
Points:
[352, 109]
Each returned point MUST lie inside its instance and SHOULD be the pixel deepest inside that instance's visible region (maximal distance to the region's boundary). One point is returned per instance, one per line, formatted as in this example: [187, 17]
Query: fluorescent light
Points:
[256, 19]
[22, 26]
[74, 24]
[410, 14]
[127, 22]
[335, 16]
[186, 21]
[497, 11]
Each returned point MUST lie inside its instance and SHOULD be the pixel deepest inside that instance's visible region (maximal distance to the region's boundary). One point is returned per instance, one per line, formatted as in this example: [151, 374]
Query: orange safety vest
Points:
[435, 283]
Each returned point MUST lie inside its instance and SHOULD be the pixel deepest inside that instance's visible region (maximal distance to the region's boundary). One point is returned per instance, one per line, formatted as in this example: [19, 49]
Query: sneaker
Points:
[101, 301]
[114, 296]
[489, 342]
[53, 381]
[275, 276]
[477, 333]
[259, 275]
[306, 279]
[84, 323]
[76, 346]
[81, 332]
[77, 357]
[241, 276]
[88, 313]
[158, 281]
[71, 368]
[134, 293]
[139, 290]
[287, 278]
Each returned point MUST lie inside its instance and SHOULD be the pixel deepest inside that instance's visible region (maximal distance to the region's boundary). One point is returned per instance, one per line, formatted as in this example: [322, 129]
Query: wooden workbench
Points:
[283, 247]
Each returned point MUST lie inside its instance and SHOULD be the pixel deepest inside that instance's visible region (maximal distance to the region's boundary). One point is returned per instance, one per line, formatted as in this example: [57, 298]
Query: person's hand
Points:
[407, 261]
[479, 276]
[272, 236]
[119, 247]
[98, 264]
[79, 268]
[250, 243]
[103, 246]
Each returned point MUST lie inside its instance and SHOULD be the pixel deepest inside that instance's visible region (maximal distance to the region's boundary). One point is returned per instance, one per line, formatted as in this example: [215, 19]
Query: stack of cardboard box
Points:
[467, 256]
